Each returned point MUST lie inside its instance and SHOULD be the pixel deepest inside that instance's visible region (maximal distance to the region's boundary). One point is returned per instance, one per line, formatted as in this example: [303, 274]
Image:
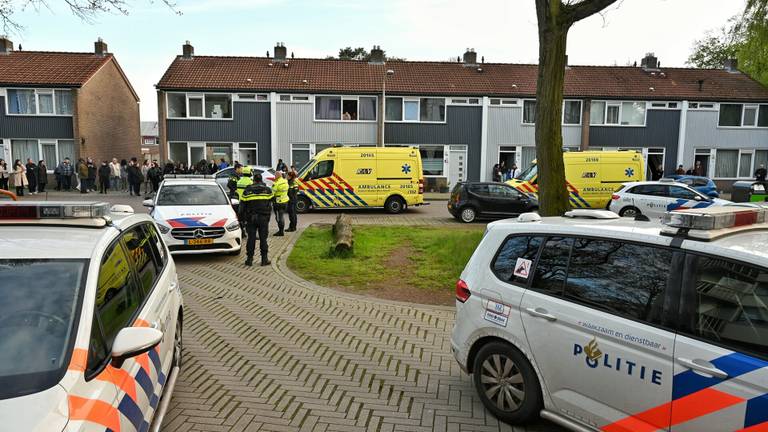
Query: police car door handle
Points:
[702, 366]
[541, 313]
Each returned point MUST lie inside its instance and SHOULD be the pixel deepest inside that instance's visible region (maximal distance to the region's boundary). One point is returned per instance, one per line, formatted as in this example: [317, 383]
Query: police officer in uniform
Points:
[255, 209]
[243, 182]
[232, 182]
[293, 195]
[280, 189]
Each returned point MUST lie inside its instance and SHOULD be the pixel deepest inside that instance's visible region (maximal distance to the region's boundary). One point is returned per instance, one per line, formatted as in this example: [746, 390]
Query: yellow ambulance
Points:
[362, 177]
[591, 176]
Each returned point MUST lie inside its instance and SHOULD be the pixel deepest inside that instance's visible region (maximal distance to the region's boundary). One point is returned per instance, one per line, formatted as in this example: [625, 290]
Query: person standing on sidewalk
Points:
[255, 209]
[280, 189]
[114, 174]
[32, 176]
[4, 175]
[82, 176]
[124, 175]
[19, 177]
[42, 176]
[293, 195]
[134, 176]
[91, 175]
[105, 172]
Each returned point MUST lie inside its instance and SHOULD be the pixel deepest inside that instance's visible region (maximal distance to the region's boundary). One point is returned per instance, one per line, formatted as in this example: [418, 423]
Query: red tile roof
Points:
[49, 68]
[445, 78]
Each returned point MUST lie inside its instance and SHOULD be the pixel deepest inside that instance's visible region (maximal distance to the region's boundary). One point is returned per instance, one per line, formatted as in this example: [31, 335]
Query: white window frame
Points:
[522, 113]
[703, 106]
[468, 101]
[199, 95]
[562, 114]
[751, 153]
[581, 112]
[295, 98]
[38, 91]
[201, 98]
[251, 97]
[40, 143]
[620, 104]
[343, 98]
[504, 102]
[416, 99]
[744, 107]
[663, 105]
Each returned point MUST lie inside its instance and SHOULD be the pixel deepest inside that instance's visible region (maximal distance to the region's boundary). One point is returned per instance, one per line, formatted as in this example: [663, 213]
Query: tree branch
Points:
[584, 9]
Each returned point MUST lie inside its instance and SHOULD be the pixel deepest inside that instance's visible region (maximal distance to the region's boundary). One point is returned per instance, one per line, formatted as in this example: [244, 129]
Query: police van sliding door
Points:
[721, 355]
[587, 322]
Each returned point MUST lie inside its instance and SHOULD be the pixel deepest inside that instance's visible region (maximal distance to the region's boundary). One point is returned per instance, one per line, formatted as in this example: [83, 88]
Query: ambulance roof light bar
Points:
[75, 213]
[712, 222]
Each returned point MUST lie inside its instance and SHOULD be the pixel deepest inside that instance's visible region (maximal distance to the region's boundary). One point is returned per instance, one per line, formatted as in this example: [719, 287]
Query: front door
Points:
[457, 165]
[721, 359]
[591, 320]
[248, 157]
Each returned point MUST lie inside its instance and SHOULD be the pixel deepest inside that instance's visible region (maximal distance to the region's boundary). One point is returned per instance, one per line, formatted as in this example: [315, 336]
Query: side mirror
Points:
[697, 198]
[148, 203]
[134, 341]
[234, 202]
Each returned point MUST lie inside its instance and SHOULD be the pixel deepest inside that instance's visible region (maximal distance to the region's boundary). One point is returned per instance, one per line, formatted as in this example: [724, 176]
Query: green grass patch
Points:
[428, 258]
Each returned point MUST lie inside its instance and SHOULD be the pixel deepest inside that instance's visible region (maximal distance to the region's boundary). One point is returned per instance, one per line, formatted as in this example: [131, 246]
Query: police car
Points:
[597, 322]
[195, 216]
[654, 198]
[90, 319]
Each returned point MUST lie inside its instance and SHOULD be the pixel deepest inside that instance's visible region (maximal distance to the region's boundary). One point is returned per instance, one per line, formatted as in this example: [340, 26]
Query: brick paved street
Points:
[267, 351]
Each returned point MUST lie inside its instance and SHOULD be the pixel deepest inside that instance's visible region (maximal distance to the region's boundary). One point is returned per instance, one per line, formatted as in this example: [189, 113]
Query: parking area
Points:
[265, 350]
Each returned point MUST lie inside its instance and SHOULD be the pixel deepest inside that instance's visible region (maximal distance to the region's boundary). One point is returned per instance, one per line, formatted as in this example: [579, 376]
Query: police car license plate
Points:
[202, 241]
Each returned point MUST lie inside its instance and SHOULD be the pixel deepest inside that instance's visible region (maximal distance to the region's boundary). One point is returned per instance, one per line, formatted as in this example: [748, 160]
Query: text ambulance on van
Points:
[362, 177]
[591, 176]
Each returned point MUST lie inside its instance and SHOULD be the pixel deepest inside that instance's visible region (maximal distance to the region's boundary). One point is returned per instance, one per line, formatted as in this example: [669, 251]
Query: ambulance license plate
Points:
[203, 241]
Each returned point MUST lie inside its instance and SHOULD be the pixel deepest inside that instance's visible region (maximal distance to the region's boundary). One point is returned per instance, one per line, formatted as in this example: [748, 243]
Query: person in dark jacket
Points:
[42, 176]
[281, 166]
[496, 176]
[169, 168]
[155, 175]
[104, 174]
[92, 169]
[135, 178]
[255, 209]
[761, 173]
[293, 196]
[32, 176]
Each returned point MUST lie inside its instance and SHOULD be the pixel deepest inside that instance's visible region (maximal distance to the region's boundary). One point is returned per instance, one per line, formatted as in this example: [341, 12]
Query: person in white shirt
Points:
[114, 174]
[514, 171]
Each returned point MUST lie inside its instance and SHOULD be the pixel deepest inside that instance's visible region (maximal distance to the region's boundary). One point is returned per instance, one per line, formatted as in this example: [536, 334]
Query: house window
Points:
[762, 117]
[617, 113]
[195, 106]
[21, 102]
[48, 154]
[529, 112]
[745, 164]
[633, 113]
[761, 158]
[612, 114]
[345, 108]
[432, 110]
[24, 149]
[411, 110]
[730, 115]
[415, 109]
[177, 105]
[285, 98]
[66, 150]
[432, 160]
[750, 115]
[218, 106]
[475, 101]
[597, 113]
[727, 163]
[571, 112]
[63, 102]
[45, 102]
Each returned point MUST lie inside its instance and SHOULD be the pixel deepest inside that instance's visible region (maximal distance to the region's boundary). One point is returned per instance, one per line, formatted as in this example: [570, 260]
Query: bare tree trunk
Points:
[553, 196]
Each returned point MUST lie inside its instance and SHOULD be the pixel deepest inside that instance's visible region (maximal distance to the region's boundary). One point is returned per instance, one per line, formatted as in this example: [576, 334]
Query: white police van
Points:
[597, 322]
[90, 319]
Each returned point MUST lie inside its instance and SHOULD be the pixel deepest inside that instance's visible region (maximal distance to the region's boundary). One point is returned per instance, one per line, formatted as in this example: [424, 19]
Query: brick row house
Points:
[464, 116]
[56, 105]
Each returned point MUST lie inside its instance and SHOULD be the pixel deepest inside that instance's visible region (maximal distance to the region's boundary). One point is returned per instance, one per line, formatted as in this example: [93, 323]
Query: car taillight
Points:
[462, 291]
[615, 197]
[421, 186]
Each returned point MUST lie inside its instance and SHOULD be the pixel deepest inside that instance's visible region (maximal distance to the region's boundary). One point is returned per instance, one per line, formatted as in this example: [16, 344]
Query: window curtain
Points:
[66, 150]
[432, 109]
[45, 102]
[394, 111]
[761, 158]
[432, 159]
[633, 113]
[49, 155]
[745, 165]
[23, 149]
[367, 108]
[64, 102]
[327, 108]
[411, 111]
[597, 113]
[572, 112]
[727, 163]
[21, 101]
[529, 112]
[527, 156]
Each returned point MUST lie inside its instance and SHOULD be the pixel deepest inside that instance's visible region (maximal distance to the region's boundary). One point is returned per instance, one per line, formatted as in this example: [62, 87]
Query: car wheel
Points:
[507, 383]
[177, 342]
[394, 205]
[303, 205]
[467, 215]
[629, 212]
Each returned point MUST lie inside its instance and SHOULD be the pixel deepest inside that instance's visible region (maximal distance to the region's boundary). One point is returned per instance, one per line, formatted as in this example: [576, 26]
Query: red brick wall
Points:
[107, 117]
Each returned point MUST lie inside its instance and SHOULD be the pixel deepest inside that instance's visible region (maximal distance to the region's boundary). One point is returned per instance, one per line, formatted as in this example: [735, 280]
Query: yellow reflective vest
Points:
[280, 189]
[243, 183]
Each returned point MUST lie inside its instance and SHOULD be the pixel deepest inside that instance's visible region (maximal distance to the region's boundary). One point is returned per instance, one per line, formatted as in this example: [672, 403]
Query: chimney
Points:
[281, 53]
[649, 62]
[377, 55]
[731, 65]
[6, 45]
[187, 50]
[100, 47]
[470, 57]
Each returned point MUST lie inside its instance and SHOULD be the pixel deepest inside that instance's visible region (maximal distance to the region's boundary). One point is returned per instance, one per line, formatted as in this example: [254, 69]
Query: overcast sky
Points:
[146, 41]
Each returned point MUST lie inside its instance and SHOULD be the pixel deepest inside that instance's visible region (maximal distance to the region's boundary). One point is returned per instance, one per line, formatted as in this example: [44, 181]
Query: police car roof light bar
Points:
[188, 176]
[53, 210]
[714, 218]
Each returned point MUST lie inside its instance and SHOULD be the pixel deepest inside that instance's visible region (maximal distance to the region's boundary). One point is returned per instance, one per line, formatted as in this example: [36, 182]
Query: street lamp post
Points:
[384, 103]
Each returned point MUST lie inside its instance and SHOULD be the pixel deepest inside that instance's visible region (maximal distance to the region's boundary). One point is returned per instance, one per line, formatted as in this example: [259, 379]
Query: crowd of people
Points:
[502, 172]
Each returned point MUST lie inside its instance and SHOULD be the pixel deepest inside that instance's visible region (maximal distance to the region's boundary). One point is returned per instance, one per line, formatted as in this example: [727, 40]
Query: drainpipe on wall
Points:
[273, 129]
[585, 114]
[161, 127]
[484, 140]
[681, 134]
[76, 125]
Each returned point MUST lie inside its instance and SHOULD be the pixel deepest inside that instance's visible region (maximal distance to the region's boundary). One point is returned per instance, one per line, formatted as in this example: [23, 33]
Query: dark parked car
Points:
[475, 200]
[704, 185]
